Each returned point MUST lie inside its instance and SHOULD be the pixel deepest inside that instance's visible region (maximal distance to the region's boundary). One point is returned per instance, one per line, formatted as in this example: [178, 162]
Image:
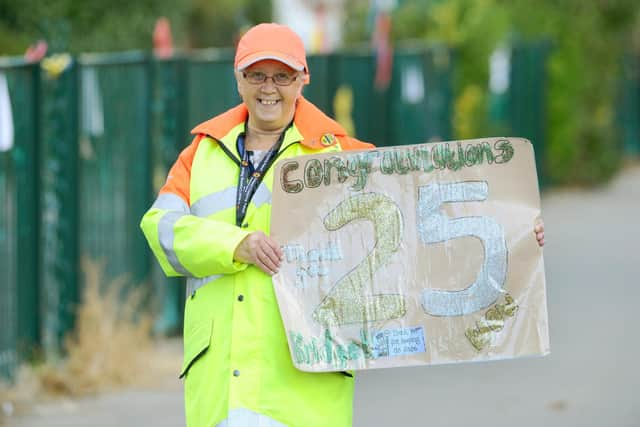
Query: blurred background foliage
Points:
[77, 26]
[110, 25]
[588, 40]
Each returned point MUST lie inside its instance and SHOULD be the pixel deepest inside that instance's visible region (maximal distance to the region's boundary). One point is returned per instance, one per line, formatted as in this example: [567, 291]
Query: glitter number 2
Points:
[347, 302]
[435, 227]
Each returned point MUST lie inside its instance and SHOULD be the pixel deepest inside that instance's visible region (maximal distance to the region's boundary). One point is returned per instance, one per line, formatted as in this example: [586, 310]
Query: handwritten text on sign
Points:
[410, 255]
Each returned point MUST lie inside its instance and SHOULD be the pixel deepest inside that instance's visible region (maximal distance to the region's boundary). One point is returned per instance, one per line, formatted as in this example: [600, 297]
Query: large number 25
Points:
[435, 227]
[352, 299]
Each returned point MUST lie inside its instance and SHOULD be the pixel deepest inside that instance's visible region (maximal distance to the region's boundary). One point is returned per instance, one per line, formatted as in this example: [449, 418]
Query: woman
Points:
[210, 223]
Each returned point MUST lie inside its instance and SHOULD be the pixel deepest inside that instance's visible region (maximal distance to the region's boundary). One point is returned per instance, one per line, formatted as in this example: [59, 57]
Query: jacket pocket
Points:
[196, 343]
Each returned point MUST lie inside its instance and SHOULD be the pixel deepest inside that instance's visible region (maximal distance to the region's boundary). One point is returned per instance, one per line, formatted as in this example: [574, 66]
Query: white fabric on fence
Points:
[6, 116]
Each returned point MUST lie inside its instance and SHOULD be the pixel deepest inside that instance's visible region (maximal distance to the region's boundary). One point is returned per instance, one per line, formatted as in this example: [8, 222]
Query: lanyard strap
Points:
[250, 175]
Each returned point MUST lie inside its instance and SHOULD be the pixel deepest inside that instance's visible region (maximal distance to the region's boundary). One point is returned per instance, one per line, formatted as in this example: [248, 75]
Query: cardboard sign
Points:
[410, 255]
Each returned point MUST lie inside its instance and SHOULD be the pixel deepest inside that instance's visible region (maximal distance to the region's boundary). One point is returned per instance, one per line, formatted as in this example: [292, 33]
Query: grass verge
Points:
[112, 347]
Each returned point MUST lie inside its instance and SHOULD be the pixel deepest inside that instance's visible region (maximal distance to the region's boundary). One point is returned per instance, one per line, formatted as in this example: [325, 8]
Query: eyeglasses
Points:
[258, 78]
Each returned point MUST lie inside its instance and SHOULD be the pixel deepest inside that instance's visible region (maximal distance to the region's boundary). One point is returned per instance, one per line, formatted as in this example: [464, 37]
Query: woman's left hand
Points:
[539, 232]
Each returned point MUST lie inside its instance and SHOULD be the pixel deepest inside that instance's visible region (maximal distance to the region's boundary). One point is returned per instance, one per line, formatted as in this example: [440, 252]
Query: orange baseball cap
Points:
[271, 41]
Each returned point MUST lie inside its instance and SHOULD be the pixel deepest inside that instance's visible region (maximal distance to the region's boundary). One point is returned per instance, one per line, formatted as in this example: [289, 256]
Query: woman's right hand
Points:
[260, 250]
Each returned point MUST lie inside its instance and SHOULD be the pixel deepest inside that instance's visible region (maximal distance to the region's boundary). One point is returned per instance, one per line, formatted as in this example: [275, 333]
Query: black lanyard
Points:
[250, 175]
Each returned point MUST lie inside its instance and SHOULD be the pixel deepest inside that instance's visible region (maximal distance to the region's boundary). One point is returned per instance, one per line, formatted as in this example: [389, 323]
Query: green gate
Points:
[19, 216]
[527, 98]
[421, 95]
[169, 134]
[211, 86]
[114, 157]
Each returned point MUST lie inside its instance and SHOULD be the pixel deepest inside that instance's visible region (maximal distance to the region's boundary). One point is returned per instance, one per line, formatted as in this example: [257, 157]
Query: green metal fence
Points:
[527, 98]
[421, 96]
[628, 111]
[19, 226]
[170, 128]
[94, 143]
[8, 250]
[519, 108]
[58, 174]
[356, 71]
[211, 85]
[114, 162]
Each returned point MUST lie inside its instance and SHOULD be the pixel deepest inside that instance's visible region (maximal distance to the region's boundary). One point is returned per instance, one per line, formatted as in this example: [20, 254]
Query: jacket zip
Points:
[237, 162]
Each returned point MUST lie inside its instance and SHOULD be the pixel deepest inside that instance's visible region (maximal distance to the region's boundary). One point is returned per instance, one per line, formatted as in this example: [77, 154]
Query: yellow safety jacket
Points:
[236, 355]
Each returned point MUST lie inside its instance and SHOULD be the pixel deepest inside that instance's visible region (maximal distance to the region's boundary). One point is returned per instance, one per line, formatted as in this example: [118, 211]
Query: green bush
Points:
[588, 42]
[112, 25]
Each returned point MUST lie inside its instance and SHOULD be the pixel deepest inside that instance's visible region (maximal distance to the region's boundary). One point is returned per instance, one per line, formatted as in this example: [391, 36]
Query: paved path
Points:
[591, 378]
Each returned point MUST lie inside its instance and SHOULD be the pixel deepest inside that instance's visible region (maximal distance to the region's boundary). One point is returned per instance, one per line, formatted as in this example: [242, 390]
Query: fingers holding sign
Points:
[260, 250]
[539, 232]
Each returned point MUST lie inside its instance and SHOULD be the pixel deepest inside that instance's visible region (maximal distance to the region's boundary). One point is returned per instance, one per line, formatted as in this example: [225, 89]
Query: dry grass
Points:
[17, 398]
[111, 347]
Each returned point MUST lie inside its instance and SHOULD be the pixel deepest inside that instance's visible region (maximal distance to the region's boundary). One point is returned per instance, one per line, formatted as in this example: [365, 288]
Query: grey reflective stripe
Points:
[214, 202]
[167, 236]
[170, 202]
[261, 196]
[225, 199]
[193, 284]
[242, 417]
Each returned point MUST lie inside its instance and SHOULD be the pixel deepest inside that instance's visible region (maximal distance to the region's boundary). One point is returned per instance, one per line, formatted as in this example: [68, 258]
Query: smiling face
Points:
[271, 107]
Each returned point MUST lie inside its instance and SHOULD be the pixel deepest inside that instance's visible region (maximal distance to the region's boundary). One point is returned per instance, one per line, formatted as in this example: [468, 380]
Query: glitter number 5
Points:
[435, 227]
[347, 302]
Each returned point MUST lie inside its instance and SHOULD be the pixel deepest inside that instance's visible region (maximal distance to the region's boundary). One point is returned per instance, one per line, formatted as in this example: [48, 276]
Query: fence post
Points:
[59, 169]
[169, 133]
[19, 215]
[26, 162]
[628, 103]
[527, 98]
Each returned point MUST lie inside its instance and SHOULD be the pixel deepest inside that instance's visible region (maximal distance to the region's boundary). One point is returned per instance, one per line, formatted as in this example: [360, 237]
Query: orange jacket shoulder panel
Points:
[220, 125]
[179, 178]
[313, 124]
[352, 144]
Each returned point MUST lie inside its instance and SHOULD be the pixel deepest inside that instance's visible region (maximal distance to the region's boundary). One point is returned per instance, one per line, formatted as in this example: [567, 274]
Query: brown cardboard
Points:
[348, 328]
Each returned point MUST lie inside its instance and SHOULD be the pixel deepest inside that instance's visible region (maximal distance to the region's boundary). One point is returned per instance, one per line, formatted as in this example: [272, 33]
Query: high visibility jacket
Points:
[236, 356]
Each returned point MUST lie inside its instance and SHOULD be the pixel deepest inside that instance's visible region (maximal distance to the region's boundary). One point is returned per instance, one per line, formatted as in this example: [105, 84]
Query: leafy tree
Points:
[588, 39]
[219, 23]
[109, 25]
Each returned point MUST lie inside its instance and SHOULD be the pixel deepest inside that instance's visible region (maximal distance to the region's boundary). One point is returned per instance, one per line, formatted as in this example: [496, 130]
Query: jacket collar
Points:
[317, 129]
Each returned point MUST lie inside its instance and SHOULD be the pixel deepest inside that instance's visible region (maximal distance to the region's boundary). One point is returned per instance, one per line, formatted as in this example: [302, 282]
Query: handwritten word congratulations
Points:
[424, 158]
